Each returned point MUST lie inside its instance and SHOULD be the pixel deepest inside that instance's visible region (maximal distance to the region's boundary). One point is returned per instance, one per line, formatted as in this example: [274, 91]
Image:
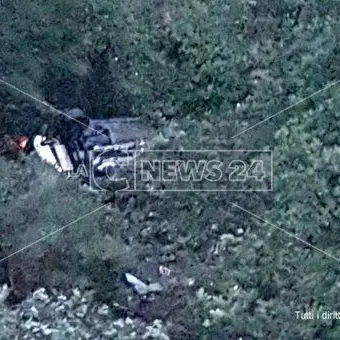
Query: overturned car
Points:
[92, 148]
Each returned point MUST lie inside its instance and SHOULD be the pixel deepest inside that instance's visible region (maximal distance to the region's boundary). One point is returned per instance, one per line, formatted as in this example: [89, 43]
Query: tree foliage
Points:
[216, 68]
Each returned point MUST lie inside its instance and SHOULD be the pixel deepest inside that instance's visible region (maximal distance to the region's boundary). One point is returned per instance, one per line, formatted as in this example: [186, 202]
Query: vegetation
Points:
[215, 68]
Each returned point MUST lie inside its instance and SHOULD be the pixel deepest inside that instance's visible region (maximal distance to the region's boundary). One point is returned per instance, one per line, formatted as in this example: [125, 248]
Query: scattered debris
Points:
[103, 144]
[225, 240]
[214, 227]
[164, 271]
[142, 288]
[239, 231]
[190, 282]
[4, 292]
[206, 323]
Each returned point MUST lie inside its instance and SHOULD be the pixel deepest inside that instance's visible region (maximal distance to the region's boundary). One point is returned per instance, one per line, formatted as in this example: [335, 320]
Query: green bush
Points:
[36, 201]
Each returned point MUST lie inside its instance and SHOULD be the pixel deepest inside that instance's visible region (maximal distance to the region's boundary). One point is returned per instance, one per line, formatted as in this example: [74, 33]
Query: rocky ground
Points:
[77, 315]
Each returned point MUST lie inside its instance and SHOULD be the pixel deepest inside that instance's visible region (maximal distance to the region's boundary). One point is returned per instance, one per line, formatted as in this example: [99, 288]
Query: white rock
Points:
[34, 311]
[206, 323]
[76, 293]
[229, 239]
[214, 227]
[40, 294]
[35, 330]
[217, 313]
[190, 282]
[201, 293]
[128, 321]
[60, 308]
[111, 333]
[240, 231]
[82, 310]
[103, 310]
[29, 324]
[119, 323]
[62, 298]
[47, 331]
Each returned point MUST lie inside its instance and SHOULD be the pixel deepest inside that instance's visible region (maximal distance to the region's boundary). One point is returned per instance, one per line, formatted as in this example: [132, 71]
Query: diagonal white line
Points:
[49, 106]
[53, 232]
[286, 109]
[286, 232]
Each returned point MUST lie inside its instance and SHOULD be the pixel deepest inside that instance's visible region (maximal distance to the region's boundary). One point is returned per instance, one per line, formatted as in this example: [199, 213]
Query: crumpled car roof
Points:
[119, 130]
